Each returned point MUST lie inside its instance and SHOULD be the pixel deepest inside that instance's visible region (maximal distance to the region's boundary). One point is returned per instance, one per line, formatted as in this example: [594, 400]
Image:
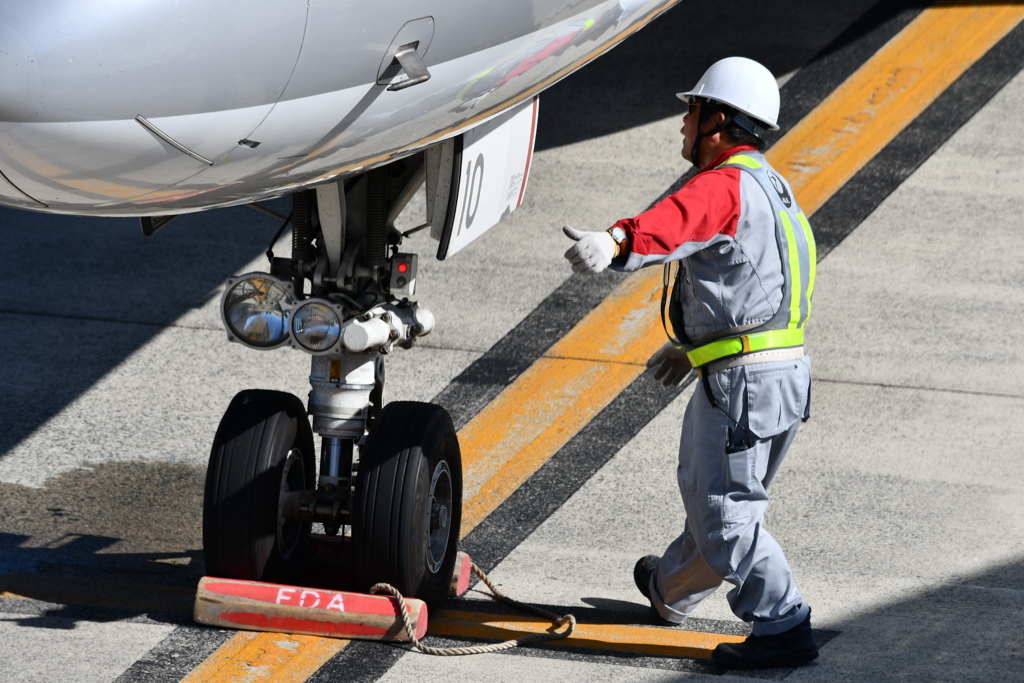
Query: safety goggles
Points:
[691, 105]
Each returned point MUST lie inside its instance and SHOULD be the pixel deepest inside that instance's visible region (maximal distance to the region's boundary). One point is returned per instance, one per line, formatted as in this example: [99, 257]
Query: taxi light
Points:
[255, 310]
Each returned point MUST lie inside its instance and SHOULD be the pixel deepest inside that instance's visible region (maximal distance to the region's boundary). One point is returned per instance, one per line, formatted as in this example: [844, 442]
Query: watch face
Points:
[618, 234]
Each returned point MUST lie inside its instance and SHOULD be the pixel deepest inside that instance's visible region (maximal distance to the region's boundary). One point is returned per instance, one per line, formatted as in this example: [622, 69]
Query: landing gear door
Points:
[489, 175]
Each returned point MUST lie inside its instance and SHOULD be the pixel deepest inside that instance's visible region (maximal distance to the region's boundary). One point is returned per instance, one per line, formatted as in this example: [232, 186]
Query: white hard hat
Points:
[744, 85]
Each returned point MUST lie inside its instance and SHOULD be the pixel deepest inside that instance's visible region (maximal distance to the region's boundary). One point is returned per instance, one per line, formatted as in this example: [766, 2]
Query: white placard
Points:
[492, 178]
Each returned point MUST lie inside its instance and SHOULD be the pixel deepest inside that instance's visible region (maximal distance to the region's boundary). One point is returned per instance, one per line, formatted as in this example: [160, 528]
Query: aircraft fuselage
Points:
[111, 108]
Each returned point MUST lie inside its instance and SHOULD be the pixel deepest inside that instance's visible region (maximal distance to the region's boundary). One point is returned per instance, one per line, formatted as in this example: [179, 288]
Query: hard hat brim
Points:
[686, 96]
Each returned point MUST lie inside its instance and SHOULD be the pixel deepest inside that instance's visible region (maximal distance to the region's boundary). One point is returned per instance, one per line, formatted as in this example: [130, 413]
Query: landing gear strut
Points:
[389, 481]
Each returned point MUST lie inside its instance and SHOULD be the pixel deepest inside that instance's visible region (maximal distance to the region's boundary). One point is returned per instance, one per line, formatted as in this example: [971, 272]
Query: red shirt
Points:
[707, 205]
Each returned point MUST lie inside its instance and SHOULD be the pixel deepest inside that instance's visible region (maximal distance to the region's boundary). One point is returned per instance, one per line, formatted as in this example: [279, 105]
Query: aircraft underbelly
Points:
[365, 125]
[75, 74]
[84, 164]
[304, 137]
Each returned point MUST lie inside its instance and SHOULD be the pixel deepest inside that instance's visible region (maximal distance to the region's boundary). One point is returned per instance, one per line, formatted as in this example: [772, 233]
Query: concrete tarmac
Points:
[897, 506]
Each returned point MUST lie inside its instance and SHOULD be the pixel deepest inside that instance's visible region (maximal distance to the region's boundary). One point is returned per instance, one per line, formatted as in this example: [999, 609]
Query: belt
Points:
[746, 346]
[792, 353]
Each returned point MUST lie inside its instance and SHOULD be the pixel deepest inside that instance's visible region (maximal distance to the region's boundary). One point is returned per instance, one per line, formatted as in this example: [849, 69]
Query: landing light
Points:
[256, 310]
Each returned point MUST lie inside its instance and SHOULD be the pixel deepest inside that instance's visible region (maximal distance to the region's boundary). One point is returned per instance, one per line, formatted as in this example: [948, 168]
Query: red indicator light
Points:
[403, 267]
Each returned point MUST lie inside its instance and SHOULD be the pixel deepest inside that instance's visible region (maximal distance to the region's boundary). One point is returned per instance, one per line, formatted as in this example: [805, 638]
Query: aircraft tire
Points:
[264, 445]
[408, 504]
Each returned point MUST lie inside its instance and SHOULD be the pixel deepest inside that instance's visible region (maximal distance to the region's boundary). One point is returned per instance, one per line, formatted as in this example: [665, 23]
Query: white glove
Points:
[593, 251]
[673, 365]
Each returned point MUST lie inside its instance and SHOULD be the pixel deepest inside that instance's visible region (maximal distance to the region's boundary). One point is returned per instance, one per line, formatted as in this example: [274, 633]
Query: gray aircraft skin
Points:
[135, 109]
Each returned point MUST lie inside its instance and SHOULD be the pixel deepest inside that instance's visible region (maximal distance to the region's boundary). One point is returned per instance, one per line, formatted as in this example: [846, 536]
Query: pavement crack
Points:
[909, 387]
[114, 321]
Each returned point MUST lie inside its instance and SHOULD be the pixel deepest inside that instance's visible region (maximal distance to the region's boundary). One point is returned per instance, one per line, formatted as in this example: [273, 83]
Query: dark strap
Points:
[695, 150]
[732, 444]
[665, 279]
[704, 377]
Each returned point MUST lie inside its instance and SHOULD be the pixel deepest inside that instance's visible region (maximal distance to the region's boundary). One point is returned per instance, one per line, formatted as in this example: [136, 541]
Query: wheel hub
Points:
[289, 529]
[440, 504]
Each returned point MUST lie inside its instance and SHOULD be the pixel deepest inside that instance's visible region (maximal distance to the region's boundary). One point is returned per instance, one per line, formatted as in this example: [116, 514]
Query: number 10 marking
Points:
[474, 188]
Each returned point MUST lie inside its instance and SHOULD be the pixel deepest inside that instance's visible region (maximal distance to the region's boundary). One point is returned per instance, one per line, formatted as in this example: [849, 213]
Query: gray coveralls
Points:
[759, 280]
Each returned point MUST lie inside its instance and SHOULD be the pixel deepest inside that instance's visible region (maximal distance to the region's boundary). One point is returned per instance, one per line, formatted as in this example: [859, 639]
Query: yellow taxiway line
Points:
[889, 91]
[556, 397]
[278, 657]
[535, 416]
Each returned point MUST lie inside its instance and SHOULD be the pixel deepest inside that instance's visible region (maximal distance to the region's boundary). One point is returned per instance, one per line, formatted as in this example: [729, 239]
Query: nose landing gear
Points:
[389, 488]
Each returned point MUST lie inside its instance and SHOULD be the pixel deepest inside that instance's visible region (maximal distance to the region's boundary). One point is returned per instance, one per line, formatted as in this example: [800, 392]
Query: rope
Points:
[496, 594]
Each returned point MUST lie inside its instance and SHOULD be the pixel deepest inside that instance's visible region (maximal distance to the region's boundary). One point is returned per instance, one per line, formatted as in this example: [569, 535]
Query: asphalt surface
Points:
[898, 506]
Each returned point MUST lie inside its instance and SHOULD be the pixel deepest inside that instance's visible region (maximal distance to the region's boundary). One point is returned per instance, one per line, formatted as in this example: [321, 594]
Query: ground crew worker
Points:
[741, 298]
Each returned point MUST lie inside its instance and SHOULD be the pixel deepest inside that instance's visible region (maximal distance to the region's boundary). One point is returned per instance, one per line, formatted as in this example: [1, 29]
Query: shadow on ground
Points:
[965, 630]
[79, 295]
[108, 543]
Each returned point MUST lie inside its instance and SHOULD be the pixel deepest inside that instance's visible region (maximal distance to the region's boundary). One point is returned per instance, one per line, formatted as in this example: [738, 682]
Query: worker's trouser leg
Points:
[725, 500]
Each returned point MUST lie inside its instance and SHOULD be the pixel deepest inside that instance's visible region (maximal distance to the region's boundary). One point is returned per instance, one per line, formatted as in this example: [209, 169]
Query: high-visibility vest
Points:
[798, 255]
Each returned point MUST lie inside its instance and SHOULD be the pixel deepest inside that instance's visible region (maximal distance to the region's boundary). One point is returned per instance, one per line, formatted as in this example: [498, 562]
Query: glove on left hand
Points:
[673, 365]
[593, 251]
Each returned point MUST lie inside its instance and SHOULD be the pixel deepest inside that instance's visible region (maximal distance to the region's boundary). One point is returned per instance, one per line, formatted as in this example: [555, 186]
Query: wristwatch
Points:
[619, 235]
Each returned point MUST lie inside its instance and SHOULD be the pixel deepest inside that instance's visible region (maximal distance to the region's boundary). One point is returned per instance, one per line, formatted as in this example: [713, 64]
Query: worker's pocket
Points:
[776, 396]
[744, 497]
[740, 469]
[740, 484]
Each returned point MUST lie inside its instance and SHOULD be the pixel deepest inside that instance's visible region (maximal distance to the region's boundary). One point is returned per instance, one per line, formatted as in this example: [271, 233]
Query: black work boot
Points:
[794, 647]
[643, 571]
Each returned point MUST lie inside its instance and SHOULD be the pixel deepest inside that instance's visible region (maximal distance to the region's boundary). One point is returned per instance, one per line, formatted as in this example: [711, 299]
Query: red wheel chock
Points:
[461, 576]
[259, 606]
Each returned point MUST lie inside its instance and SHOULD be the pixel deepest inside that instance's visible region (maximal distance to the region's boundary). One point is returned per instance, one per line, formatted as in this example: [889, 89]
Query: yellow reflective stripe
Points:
[795, 293]
[747, 343]
[742, 160]
[812, 257]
